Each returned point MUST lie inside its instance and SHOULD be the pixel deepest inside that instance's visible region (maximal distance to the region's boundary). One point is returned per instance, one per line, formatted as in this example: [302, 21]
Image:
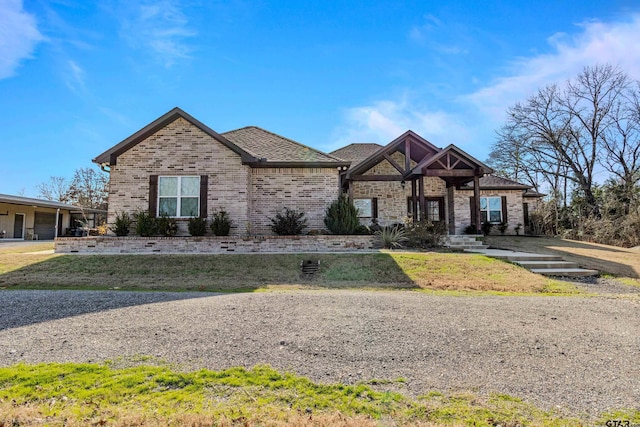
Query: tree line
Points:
[563, 138]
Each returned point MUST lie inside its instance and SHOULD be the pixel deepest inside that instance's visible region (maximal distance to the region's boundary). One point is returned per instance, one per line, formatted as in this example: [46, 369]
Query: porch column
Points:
[452, 212]
[350, 191]
[414, 201]
[476, 207]
[423, 210]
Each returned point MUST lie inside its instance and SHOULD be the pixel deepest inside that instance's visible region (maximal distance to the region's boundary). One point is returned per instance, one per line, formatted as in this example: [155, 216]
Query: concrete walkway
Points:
[548, 265]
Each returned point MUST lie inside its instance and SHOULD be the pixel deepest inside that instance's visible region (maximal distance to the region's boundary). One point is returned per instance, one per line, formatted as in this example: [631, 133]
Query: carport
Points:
[26, 218]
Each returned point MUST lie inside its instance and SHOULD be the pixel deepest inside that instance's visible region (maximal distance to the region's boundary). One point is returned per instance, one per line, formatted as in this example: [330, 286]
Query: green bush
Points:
[341, 216]
[146, 225]
[221, 224]
[197, 226]
[122, 224]
[288, 223]
[166, 225]
[425, 234]
[486, 228]
[392, 237]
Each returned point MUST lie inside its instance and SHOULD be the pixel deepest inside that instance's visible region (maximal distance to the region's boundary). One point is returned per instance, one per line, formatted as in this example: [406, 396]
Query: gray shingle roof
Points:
[496, 182]
[275, 148]
[357, 152]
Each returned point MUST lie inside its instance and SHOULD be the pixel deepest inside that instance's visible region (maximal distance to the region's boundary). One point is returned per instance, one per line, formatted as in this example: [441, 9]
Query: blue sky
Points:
[77, 77]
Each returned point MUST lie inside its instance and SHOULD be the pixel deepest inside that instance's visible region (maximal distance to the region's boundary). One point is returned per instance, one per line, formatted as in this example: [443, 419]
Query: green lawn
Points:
[90, 394]
[247, 272]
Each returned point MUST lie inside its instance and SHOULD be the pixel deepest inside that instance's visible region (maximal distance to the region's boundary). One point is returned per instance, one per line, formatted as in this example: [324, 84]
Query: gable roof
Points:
[255, 146]
[110, 157]
[270, 148]
[493, 182]
[421, 148]
[40, 203]
[464, 159]
[356, 152]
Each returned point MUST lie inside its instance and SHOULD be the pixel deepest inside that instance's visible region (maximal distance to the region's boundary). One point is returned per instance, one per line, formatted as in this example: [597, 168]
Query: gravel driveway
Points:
[578, 354]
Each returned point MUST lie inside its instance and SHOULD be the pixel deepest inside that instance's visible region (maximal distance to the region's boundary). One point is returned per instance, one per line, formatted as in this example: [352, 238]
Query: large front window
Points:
[491, 209]
[179, 196]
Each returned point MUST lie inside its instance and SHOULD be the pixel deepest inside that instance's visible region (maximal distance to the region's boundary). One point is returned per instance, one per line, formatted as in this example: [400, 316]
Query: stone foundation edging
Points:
[214, 245]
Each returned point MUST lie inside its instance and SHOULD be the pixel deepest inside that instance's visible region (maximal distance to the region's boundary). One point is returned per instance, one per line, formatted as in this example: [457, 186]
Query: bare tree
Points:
[56, 189]
[89, 188]
[566, 131]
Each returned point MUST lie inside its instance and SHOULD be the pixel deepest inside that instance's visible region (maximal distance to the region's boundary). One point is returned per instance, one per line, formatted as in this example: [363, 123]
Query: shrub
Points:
[146, 225]
[392, 237]
[425, 234]
[470, 229]
[166, 225]
[502, 227]
[122, 224]
[288, 223]
[221, 224]
[197, 226]
[486, 228]
[341, 216]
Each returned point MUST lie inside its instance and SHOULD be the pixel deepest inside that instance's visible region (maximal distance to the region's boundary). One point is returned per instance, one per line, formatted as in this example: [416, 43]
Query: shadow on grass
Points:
[607, 259]
[178, 277]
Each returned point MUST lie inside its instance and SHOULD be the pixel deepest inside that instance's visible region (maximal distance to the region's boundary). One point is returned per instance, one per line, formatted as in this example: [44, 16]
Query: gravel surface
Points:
[579, 355]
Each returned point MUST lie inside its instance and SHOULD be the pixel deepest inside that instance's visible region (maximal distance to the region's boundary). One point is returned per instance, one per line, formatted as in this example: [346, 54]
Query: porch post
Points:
[476, 198]
[452, 212]
[414, 201]
[350, 191]
[423, 212]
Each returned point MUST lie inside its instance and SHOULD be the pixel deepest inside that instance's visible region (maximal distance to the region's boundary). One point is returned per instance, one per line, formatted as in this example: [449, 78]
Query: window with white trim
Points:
[491, 209]
[179, 196]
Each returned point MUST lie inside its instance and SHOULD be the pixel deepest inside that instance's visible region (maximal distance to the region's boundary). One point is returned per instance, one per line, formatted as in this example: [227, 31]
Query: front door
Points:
[434, 208]
[18, 226]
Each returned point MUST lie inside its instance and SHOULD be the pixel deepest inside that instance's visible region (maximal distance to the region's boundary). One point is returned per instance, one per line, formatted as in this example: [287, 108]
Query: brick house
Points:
[179, 166]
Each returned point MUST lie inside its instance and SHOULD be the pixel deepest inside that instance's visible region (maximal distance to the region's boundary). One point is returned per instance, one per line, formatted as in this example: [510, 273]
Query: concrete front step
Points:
[546, 264]
[566, 272]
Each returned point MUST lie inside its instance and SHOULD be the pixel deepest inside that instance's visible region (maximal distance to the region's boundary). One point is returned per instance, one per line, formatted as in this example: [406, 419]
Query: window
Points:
[491, 209]
[434, 208]
[179, 196]
[367, 208]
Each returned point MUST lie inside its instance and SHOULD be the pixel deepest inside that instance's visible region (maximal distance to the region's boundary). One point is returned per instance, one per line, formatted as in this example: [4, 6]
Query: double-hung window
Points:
[179, 196]
[491, 209]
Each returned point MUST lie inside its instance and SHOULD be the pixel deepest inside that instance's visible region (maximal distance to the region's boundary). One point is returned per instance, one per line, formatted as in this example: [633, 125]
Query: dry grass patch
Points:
[246, 272]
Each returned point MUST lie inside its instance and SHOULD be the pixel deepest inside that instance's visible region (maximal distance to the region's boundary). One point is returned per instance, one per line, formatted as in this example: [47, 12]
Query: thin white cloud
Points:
[597, 43]
[383, 121]
[159, 26]
[19, 36]
[75, 77]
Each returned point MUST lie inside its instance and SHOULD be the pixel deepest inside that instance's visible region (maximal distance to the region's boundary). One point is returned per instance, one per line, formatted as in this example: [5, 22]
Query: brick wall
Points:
[309, 190]
[181, 148]
[214, 245]
[515, 215]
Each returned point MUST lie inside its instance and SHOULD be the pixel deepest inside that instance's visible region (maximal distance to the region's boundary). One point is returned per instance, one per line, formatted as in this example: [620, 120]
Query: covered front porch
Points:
[410, 177]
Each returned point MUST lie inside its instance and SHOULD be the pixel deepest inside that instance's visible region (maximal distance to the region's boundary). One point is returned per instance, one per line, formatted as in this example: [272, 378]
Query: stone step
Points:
[565, 272]
[468, 243]
[470, 248]
[546, 264]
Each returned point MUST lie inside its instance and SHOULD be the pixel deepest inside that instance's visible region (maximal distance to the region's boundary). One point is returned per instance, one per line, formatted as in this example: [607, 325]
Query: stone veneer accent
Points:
[310, 190]
[214, 245]
[392, 199]
[180, 148]
[515, 211]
